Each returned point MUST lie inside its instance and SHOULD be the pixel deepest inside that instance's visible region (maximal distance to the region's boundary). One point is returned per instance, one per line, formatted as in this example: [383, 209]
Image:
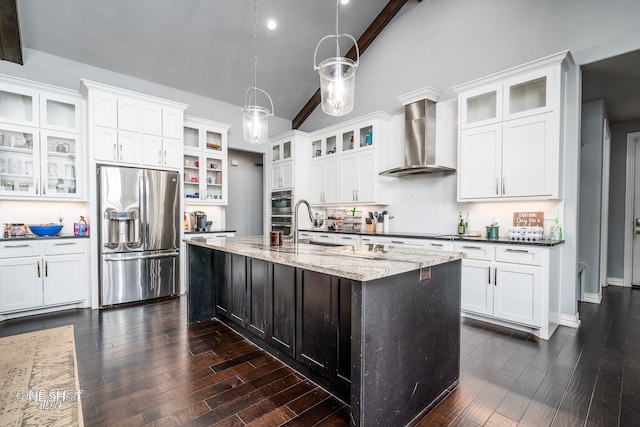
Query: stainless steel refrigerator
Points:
[139, 234]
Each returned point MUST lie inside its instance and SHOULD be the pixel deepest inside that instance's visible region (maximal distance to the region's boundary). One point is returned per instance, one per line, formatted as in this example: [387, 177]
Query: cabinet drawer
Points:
[348, 239]
[66, 246]
[437, 245]
[520, 255]
[20, 248]
[475, 250]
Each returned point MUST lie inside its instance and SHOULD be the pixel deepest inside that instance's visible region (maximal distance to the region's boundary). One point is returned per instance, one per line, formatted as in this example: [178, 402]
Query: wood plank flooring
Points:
[143, 365]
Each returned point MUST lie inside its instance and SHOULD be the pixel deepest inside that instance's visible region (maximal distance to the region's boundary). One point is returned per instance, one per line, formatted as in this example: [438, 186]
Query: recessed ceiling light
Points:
[272, 24]
[344, 2]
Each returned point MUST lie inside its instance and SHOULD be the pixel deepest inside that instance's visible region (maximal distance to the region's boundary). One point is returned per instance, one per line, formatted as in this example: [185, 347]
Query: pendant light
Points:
[255, 117]
[337, 77]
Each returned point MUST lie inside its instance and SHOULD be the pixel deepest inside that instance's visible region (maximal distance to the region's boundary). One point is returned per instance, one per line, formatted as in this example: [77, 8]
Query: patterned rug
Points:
[39, 379]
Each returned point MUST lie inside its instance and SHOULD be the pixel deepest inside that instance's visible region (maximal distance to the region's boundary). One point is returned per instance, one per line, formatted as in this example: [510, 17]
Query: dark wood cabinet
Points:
[281, 308]
[341, 330]
[257, 289]
[222, 282]
[313, 327]
[238, 289]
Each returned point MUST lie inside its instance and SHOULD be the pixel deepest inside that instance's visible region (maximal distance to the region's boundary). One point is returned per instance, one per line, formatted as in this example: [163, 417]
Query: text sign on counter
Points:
[528, 219]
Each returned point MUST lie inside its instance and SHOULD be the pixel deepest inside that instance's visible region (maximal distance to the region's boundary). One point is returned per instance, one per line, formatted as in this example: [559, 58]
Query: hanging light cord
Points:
[337, 33]
[255, 52]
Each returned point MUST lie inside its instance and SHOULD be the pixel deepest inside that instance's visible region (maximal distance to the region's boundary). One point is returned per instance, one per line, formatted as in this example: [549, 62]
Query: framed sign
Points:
[528, 219]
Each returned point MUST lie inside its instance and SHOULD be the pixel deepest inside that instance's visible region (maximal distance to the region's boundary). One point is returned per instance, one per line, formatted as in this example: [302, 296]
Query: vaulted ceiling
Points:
[200, 46]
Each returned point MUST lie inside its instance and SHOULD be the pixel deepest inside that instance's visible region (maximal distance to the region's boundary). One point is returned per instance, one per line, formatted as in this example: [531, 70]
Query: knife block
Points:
[370, 228]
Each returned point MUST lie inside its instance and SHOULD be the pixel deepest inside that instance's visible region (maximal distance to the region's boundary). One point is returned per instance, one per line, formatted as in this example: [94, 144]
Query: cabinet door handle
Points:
[164, 162]
[120, 152]
[37, 185]
[46, 269]
[503, 192]
[357, 195]
[64, 244]
[17, 246]
[160, 157]
[398, 242]
[347, 238]
[497, 192]
[38, 268]
[44, 188]
[438, 245]
[115, 152]
[471, 247]
[495, 276]
[489, 274]
[522, 251]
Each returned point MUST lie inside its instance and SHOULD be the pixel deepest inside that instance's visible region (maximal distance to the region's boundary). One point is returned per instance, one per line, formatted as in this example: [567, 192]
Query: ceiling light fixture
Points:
[337, 76]
[254, 117]
[272, 24]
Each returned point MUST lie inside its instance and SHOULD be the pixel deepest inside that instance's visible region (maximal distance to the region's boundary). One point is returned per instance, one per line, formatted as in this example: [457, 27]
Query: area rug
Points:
[39, 379]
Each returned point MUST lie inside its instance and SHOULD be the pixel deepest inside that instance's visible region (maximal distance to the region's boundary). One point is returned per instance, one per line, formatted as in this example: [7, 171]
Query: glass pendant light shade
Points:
[337, 77]
[337, 85]
[255, 118]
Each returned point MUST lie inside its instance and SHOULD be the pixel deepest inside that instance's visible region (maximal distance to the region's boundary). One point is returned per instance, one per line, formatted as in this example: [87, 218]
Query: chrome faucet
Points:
[294, 220]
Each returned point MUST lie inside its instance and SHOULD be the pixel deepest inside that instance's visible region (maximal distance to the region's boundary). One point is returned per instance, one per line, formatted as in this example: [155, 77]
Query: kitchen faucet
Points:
[294, 220]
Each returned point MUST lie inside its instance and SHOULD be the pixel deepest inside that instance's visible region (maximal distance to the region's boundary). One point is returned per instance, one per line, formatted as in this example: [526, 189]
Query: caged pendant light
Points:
[255, 117]
[337, 77]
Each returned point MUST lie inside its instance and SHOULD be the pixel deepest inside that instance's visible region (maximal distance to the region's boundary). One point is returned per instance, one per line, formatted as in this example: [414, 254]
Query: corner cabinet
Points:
[133, 129]
[205, 162]
[345, 162]
[510, 140]
[41, 141]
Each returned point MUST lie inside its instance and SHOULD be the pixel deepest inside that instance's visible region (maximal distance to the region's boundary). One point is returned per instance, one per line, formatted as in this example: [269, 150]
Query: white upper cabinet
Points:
[148, 130]
[510, 132]
[355, 148]
[128, 114]
[45, 158]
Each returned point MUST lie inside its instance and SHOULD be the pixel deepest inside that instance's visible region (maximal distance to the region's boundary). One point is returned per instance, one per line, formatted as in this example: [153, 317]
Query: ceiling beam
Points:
[10, 45]
[365, 40]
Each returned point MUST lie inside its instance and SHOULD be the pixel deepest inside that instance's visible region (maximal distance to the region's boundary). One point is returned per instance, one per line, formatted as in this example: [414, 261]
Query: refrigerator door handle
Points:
[144, 220]
[143, 255]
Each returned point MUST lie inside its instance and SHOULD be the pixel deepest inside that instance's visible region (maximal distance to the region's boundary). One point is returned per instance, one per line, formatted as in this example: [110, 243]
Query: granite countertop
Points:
[360, 262]
[34, 237]
[448, 237]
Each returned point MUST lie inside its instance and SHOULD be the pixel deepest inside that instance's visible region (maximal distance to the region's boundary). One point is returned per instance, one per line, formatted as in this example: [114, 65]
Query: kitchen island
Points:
[379, 326]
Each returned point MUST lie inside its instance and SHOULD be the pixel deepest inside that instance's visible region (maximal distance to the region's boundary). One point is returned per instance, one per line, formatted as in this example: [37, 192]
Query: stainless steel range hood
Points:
[419, 136]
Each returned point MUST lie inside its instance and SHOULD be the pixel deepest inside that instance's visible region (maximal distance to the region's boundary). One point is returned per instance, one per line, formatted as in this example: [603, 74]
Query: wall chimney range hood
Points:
[420, 148]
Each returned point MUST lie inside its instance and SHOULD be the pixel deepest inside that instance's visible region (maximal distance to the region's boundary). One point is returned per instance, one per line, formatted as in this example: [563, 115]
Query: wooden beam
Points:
[10, 45]
[365, 40]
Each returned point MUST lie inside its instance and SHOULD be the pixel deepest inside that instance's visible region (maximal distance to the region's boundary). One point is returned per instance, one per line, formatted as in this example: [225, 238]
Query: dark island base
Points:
[390, 347]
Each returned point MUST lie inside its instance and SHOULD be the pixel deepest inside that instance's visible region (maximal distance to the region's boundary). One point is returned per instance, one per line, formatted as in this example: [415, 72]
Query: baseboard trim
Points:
[592, 298]
[615, 281]
[570, 320]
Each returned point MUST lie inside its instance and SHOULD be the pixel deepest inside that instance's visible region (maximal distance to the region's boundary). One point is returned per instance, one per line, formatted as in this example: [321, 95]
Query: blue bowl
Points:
[45, 230]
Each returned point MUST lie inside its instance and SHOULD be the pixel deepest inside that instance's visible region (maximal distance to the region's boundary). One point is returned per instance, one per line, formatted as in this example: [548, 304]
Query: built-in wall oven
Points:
[281, 211]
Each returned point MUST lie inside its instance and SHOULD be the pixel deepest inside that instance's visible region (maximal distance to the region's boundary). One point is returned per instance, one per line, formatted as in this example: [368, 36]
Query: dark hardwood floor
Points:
[142, 365]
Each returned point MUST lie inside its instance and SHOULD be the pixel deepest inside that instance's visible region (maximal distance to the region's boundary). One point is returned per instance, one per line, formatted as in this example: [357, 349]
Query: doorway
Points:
[632, 213]
[244, 213]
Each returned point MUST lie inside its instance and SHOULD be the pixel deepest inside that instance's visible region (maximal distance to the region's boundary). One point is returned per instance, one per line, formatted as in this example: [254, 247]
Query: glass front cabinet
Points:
[41, 144]
[205, 162]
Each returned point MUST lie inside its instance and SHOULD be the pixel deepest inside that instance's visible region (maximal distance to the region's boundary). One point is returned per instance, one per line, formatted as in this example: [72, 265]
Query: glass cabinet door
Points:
[60, 168]
[191, 179]
[214, 189]
[19, 162]
[213, 141]
[60, 113]
[316, 148]
[191, 137]
[528, 94]
[18, 105]
[275, 153]
[286, 150]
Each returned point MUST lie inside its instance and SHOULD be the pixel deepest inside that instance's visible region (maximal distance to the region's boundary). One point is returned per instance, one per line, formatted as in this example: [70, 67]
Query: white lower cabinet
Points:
[37, 274]
[513, 284]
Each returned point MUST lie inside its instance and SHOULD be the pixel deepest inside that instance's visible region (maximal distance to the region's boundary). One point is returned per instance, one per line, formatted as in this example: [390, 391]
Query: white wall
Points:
[592, 141]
